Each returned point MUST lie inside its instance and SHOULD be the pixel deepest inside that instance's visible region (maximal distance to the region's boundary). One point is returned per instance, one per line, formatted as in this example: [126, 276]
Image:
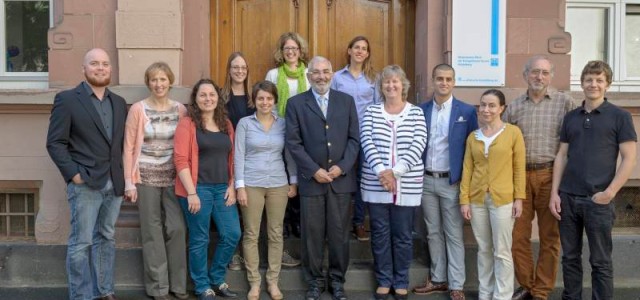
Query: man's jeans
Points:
[580, 213]
[212, 207]
[91, 237]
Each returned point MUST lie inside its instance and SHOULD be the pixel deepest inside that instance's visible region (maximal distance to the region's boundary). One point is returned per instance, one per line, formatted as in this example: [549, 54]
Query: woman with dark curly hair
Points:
[203, 154]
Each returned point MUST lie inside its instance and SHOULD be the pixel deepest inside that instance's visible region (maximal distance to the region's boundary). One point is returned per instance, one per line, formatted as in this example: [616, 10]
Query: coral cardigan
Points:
[185, 152]
[502, 174]
[133, 140]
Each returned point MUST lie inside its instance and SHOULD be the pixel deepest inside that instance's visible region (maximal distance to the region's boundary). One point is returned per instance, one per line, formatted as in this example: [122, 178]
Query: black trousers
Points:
[323, 218]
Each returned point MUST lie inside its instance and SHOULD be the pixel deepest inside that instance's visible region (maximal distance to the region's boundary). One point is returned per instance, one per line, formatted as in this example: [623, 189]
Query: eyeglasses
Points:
[292, 49]
[537, 72]
[586, 124]
[319, 72]
[239, 68]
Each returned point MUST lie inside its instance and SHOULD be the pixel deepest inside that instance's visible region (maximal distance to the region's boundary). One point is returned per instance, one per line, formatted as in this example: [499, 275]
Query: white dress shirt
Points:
[438, 148]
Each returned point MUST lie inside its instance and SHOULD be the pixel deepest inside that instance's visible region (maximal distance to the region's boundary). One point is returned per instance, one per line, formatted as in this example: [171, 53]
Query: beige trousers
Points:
[274, 200]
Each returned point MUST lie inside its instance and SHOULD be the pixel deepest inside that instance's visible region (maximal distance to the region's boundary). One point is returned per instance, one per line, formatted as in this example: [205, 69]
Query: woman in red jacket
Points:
[204, 163]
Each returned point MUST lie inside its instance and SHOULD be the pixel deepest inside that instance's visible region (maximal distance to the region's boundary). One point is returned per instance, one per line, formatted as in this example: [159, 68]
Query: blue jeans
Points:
[91, 237]
[580, 214]
[391, 243]
[226, 219]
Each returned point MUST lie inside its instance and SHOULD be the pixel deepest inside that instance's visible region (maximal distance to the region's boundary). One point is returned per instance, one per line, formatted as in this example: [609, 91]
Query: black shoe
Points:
[400, 296]
[285, 231]
[223, 291]
[521, 294]
[377, 296]
[338, 294]
[295, 230]
[209, 294]
[313, 293]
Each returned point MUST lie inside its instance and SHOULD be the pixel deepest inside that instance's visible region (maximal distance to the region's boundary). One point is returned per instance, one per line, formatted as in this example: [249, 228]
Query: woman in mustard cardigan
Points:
[491, 193]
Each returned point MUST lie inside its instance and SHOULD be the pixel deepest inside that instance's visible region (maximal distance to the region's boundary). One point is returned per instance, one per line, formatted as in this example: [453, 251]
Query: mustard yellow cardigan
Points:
[502, 173]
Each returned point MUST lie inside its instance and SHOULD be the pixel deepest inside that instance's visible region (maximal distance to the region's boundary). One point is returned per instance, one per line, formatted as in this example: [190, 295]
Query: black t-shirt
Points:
[238, 108]
[213, 154]
[594, 138]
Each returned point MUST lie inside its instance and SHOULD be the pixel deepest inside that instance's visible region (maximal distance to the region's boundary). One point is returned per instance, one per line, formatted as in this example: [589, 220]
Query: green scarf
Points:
[283, 87]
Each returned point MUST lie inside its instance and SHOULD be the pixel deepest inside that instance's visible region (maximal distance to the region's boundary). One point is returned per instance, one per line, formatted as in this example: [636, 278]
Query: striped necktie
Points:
[323, 105]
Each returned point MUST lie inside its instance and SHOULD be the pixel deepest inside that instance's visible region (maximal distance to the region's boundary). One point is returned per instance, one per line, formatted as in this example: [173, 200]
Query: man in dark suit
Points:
[86, 133]
[449, 122]
[322, 136]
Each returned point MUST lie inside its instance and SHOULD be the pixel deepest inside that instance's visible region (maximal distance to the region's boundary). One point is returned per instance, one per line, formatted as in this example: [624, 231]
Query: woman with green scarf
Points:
[290, 77]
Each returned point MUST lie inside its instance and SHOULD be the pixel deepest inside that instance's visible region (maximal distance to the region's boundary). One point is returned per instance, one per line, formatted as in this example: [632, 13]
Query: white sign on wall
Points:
[478, 42]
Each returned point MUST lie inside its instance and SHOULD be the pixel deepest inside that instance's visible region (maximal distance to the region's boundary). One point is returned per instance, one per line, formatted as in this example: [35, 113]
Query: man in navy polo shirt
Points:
[585, 181]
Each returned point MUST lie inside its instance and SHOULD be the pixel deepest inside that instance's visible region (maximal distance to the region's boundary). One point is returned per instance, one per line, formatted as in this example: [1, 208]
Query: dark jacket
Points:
[77, 141]
[317, 142]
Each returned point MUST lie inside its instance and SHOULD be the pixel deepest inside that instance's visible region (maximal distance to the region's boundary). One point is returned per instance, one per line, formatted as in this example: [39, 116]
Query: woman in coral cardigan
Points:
[204, 162]
[491, 193]
[149, 181]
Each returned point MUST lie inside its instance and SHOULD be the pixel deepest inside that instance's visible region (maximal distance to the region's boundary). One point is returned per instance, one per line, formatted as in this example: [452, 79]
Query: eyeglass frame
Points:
[239, 68]
[292, 49]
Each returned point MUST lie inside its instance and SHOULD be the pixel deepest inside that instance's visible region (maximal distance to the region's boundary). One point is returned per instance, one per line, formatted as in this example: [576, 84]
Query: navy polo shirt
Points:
[594, 138]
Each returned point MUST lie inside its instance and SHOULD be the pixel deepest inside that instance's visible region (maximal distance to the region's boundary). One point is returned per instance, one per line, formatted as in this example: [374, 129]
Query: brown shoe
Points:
[274, 292]
[109, 297]
[521, 294]
[456, 295]
[429, 287]
[360, 233]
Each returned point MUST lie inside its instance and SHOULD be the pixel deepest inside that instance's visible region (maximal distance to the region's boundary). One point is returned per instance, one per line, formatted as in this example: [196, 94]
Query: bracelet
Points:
[192, 194]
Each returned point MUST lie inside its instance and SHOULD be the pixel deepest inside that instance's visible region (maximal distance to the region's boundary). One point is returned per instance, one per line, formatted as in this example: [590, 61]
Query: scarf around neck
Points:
[283, 87]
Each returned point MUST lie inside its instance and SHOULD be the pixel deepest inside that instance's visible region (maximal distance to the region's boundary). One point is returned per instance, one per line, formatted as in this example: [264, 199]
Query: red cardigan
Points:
[185, 152]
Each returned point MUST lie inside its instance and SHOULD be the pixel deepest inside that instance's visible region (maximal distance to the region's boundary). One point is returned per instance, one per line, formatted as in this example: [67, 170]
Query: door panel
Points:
[259, 24]
[253, 27]
[368, 18]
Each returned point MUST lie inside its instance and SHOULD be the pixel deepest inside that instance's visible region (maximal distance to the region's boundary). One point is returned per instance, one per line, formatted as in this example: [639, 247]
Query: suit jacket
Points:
[77, 141]
[463, 121]
[317, 142]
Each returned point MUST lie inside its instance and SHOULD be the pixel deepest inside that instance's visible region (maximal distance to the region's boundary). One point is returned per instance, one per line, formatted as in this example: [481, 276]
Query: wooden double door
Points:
[253, 27]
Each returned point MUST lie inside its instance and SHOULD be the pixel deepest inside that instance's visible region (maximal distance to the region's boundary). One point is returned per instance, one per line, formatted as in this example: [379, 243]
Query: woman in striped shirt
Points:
[393, 137]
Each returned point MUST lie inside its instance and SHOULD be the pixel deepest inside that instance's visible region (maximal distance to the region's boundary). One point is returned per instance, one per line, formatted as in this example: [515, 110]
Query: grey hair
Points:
[395, 70]
[318, 59]
[533, 59]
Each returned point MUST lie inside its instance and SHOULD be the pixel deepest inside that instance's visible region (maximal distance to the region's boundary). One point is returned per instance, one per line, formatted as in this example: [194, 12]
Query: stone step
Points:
[25, 264]
[39, 293]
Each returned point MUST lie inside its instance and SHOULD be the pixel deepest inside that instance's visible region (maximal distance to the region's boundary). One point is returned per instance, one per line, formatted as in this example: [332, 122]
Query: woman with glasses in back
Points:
[358, 80]
[235, 92]
[290, 78]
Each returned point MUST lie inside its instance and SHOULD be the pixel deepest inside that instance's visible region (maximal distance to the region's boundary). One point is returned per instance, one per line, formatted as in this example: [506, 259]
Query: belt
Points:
[437, 174]
[540, 166]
